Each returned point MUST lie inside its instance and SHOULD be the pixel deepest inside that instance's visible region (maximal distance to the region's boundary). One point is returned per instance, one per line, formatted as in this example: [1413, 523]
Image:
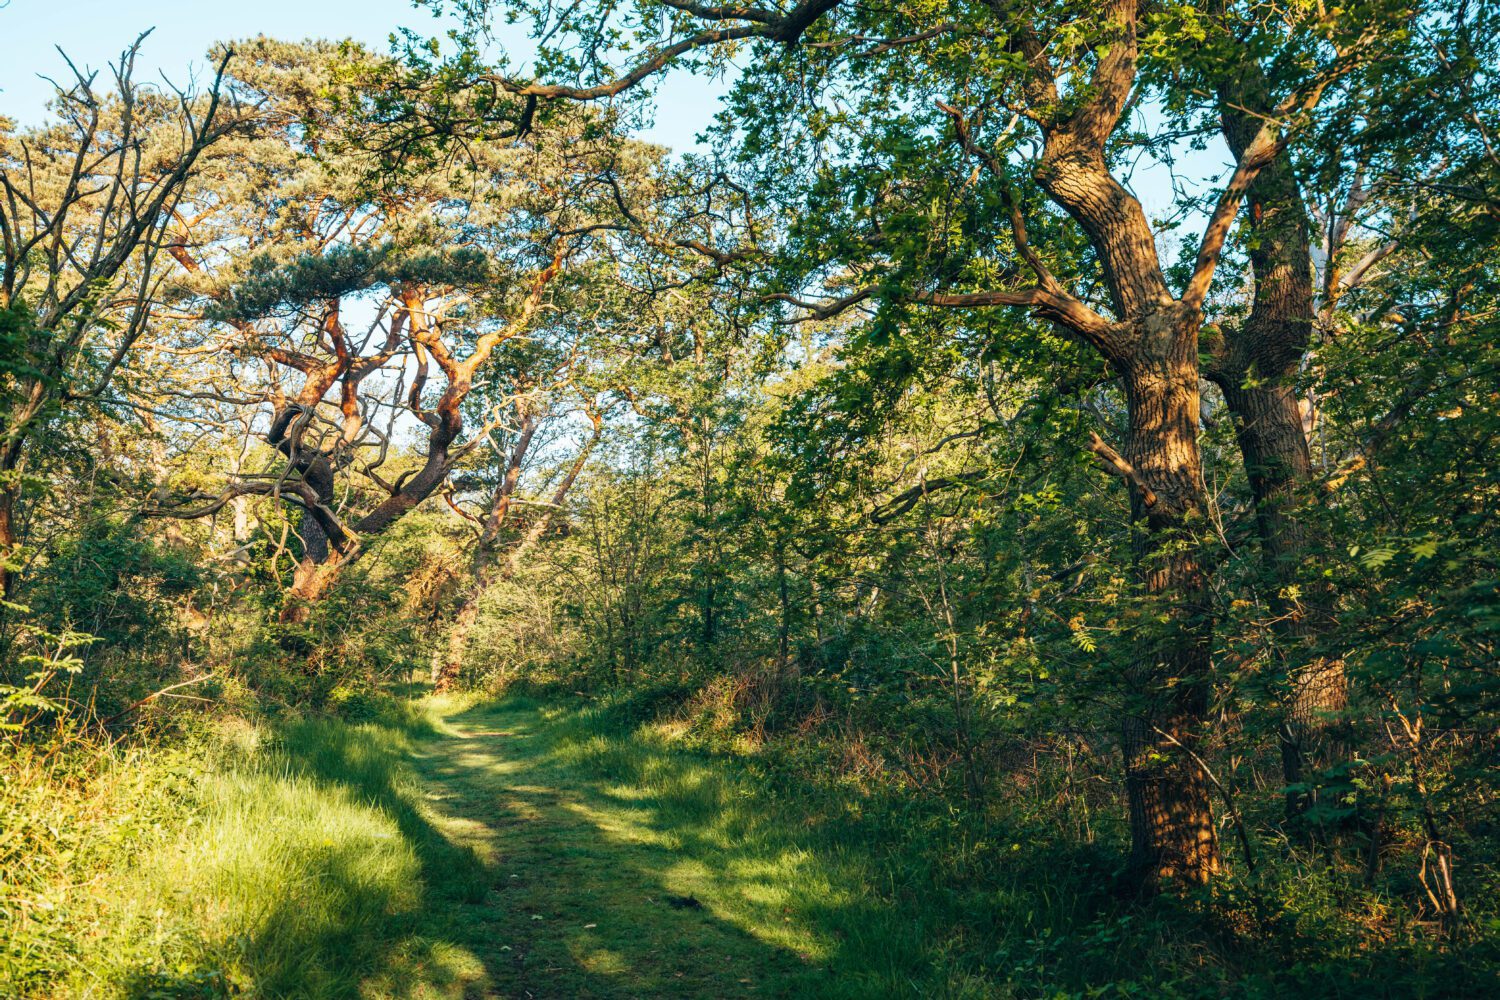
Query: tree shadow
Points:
[569, 852]
[594, 895]
[354, 928]
[842, 891]
[522, 894]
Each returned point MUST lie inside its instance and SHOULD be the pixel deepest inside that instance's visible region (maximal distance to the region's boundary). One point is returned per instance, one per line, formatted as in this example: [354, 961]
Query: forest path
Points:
[613, 867]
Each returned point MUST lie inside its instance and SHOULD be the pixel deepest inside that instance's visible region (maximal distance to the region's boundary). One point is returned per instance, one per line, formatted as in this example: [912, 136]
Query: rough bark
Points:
[1255, 366]
[1172, 826]
[1154, 345]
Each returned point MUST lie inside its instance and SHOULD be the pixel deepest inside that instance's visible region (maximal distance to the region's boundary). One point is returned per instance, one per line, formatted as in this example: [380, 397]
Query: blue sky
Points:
[93, 32]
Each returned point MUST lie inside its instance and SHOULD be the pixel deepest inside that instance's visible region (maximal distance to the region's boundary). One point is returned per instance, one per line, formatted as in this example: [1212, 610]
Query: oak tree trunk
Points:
[1173, 836]
[1255, 368]
[1268, 424]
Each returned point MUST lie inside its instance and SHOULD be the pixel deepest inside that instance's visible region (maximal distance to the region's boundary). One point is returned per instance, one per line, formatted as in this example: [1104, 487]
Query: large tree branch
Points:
[822, 310]
[1076, 176]
[297, 491]
[1260, 152]
[1113, 462]
[785, 28]
[1054, 305]
[905, 501]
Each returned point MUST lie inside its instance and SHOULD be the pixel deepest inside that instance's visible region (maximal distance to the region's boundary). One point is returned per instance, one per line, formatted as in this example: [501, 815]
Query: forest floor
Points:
[617, 881]
[435, 848]
[441, 849]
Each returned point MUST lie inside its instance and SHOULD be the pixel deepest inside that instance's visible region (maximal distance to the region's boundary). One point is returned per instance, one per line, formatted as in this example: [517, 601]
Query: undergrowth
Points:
[922, 895]
[296, 858]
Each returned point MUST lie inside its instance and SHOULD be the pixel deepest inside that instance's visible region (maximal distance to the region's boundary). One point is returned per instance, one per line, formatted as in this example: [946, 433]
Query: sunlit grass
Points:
[451, 849]
[283, 886]
[620, 823]
[298, 865]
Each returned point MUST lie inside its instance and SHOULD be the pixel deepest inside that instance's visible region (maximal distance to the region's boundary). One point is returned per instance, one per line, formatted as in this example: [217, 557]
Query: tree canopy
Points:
[1072, 420]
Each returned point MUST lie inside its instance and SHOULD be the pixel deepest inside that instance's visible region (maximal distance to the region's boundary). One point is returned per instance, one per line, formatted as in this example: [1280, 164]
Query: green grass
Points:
[304, 870]
[594, 833]
[450, 850]
[592, 822]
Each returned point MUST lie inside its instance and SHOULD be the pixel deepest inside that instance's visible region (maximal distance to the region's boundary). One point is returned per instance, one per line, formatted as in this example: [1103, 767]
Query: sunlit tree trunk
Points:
[1172, 825]
[1154, 345]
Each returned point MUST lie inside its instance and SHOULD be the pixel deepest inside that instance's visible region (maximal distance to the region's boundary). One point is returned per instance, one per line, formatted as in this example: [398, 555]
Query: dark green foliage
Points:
[840, 621]
[119, 585]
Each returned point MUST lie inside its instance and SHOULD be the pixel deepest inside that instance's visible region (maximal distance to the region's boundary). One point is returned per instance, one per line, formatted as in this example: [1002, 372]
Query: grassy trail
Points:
[440, 850]
[445, 851]
[606, 871]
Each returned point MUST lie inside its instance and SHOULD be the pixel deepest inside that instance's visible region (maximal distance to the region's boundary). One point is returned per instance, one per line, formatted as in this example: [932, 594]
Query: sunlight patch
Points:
[601, 961]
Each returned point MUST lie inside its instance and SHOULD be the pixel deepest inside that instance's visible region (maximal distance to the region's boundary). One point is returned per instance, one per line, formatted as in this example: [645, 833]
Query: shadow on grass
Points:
[884, 895]
[562, 851]
[593, 897]
[321, 861]
[571, 852]
[801, 893]
[514, 891]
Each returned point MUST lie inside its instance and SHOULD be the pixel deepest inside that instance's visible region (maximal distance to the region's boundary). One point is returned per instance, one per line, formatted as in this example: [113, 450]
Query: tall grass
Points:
[308, 859]
[276, 862]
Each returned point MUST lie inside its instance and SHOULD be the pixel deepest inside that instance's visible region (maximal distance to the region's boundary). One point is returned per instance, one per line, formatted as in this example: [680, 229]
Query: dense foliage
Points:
[1050, 447]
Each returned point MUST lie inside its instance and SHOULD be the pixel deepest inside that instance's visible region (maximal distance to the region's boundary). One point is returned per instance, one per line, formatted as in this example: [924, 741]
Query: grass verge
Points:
[255, 861]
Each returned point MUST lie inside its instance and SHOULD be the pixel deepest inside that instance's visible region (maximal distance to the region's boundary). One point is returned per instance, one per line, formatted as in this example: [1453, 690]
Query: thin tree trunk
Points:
[12, 467]
[543, 524]
[451, 661]
[485, 567]
[448, 659]
[8, 541]
[784, 624]
[1269, 427]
